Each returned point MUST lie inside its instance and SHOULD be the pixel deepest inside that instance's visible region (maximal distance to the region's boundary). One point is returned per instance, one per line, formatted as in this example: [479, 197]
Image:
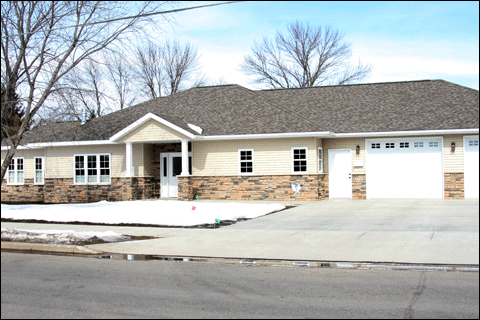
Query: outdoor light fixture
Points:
[357, 149]
[453, 147]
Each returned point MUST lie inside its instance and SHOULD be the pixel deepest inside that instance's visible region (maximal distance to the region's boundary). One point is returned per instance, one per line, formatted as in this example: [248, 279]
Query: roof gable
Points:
[151, 128]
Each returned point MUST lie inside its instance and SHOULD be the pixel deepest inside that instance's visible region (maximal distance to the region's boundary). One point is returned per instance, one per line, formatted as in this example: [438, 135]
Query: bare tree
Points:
[43, 41]
[180, 62]
[164, 69]
[150, 69]
[304, 57]
[79, 95]
[120, 73]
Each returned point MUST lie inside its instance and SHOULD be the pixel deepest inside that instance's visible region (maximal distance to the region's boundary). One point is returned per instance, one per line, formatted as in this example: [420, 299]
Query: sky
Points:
[403, 41]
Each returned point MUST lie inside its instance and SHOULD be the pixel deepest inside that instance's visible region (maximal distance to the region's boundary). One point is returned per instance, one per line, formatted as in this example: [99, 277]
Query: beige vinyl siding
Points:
[271, 156]
[148, 162]
[346, 143]
[60, 161]
[29, 162]
[152, 130]
[453, 162]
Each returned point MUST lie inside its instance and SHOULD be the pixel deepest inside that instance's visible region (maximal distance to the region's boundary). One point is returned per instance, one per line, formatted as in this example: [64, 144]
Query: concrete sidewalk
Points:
[382, 231]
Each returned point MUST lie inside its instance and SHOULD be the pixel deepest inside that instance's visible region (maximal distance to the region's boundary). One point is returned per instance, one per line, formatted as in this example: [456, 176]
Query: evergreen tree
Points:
[12, 113]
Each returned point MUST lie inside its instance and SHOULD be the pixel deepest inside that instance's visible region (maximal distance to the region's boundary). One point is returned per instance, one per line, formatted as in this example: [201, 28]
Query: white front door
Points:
[340, 173]
[471, 166]
[170, 168]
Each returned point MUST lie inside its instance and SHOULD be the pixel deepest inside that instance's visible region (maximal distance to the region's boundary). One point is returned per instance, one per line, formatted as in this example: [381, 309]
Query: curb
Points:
[85, 251]
[290, 263]
[49, 248]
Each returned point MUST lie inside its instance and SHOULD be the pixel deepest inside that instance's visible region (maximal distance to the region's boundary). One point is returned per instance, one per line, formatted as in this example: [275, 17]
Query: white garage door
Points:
[404, 168]
[471, 166]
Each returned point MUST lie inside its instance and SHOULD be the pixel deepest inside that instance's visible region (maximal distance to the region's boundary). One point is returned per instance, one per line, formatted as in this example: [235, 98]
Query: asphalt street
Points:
[46, 286]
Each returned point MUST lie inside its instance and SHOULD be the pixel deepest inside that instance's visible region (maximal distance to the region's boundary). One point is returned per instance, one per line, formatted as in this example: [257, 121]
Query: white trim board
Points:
[320, 134]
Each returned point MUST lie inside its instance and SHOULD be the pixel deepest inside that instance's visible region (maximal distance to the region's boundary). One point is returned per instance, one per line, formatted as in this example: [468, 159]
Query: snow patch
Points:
[150, 212]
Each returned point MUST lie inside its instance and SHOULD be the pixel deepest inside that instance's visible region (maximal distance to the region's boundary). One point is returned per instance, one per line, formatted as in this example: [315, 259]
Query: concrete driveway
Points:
[430, 215]
[398, 231]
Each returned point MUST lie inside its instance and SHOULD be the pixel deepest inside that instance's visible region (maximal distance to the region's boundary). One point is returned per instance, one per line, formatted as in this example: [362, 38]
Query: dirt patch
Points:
[68, 238]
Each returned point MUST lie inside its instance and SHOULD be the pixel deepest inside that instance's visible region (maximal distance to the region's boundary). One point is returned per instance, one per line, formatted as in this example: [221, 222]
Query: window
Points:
[92, 168]
[418, 144]
[104, 168]
[320, 160]
[389, 145]
[472, 143]
[433, 144]
[375, 145]
[39, 170]
[16, 171]
[246, 161]
[299, 159]
[404, 145]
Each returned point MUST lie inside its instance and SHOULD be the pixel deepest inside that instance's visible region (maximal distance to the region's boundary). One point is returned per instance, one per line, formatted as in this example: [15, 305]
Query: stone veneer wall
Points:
[25, 193]
[454, 185]
[269, 187]
[120, 189]
[359, 186]
[64, 191]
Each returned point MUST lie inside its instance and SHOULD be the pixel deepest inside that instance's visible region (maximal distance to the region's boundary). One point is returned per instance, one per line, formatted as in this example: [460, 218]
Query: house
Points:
[413, 139]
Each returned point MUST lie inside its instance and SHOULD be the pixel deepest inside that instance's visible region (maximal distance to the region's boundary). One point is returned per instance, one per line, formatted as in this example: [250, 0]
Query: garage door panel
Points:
[404, 168]
[471, 164]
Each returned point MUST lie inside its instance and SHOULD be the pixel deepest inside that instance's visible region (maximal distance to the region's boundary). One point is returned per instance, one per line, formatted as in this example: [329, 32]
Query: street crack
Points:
[418, 291]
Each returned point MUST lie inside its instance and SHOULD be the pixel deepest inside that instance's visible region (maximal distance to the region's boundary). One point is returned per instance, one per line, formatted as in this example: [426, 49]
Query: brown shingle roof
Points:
[235, 110]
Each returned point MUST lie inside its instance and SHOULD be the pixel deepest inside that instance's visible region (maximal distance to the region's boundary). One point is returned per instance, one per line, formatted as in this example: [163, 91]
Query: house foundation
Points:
[314, 187]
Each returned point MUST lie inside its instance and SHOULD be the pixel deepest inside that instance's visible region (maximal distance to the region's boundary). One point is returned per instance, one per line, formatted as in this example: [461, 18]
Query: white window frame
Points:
[240, 161]
[320, 160]
[293, 160]
[98, 168]
[35, 170]
[16, 171]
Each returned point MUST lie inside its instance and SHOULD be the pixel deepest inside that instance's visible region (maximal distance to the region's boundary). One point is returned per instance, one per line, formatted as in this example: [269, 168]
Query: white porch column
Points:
[129, 159]
[184, 158]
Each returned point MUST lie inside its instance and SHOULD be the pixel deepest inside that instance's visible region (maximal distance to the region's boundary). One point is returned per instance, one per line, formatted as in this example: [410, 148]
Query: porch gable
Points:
[151, 128]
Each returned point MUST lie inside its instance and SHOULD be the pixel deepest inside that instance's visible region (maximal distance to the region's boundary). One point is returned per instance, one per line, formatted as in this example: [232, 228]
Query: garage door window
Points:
[375, 145]
[433, 144]
[473, 143]
[404, 145]
[390, 145]
[418, 144]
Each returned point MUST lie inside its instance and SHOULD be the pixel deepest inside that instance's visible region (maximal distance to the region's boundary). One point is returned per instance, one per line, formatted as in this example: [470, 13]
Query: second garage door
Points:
[404, 168]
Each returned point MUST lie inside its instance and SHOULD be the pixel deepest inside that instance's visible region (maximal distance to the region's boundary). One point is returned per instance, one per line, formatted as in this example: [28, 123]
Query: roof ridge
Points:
[353, 84]
[217, 85]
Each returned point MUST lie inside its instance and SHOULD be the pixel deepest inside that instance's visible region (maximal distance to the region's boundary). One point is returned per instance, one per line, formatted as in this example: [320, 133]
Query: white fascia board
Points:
[195, 128]
[41, 145]
[145, 118]
[405, 133]
[324, 134]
